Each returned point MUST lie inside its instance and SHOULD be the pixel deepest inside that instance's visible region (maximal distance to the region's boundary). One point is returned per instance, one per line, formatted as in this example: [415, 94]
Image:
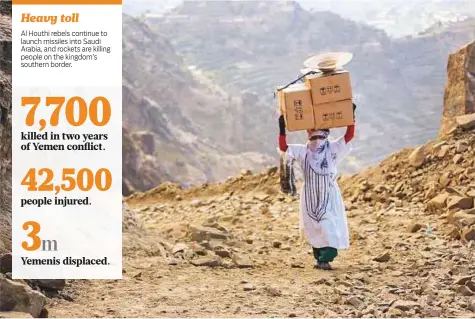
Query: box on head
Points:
[324, 100]
[295, 103]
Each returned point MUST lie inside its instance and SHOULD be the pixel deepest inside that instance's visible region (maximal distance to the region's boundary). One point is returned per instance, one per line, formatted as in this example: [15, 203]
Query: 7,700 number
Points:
[85, 110]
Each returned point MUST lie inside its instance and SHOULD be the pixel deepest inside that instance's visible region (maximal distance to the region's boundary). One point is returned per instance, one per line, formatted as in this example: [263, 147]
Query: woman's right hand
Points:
[281, 125]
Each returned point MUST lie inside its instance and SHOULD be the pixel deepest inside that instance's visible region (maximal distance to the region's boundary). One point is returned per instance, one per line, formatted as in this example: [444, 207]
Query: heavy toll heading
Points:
[28, 17]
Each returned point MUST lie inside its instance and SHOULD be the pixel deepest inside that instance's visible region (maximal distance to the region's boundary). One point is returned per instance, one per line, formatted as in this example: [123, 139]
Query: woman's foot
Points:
[327, 266]
[323, 265]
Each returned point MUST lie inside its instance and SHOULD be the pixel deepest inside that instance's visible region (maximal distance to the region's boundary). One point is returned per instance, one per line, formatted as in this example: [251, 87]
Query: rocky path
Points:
[240, 256]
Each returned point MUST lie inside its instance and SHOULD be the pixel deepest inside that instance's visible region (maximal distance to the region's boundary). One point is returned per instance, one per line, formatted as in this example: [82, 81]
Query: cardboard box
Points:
[334, 114]
[295, 103]
[330, 88]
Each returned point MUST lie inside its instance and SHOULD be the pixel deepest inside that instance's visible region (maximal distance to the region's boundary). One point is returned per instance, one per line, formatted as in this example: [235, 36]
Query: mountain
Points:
[252, 47]
[397, 18]
[465, 26]
[175, 128]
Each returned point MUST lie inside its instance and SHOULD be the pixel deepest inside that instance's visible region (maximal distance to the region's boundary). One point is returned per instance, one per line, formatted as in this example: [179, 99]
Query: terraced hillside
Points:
[253, 47]
[175, 129]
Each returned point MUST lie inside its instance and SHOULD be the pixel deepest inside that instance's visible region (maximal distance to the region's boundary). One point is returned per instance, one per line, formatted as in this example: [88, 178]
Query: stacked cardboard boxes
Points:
[323, 101]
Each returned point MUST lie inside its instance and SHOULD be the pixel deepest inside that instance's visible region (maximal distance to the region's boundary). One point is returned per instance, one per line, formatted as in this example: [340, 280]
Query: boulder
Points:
[444, 150]
[52, 284]
[459, 96]
[445, 179]
[471, 305]
[384, 257]
[6, 263]
[465, 291]
[461, 146]
[453, 232]
[417, 157]
[223, 252]
[458, 158]
[212, 261]
[462, 280]
[249, 287]
[354, 301]
[199, 233]
[180, 247]
[438, 202]
[466, 122]
[405, 305]
[469, 234]
[198, 249]
[436, 147]
[414, 227]
[242, 261]
[463, 218]
[18, 297]
[459, 202]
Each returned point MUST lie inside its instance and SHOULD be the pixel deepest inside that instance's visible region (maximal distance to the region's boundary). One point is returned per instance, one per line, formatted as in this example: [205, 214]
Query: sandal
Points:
[325, 266]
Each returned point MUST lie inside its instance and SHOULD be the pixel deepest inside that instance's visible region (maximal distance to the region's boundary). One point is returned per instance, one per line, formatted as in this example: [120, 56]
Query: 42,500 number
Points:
[85, 179]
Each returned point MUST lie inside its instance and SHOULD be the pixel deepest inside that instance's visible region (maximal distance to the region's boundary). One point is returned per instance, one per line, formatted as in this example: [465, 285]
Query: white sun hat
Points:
[327, 61]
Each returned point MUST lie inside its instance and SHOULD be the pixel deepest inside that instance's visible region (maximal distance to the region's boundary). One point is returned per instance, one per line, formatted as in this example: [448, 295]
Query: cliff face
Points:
[5, 125]
[176, 127]
[459, 98]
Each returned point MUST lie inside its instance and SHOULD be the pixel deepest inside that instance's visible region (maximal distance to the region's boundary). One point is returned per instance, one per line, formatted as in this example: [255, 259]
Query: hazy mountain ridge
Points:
[246, 47]
[175, 129]
[396, 18]
[215, 97]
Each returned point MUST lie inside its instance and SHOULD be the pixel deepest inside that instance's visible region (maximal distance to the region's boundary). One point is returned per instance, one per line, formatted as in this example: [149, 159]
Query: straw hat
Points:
[327, 61]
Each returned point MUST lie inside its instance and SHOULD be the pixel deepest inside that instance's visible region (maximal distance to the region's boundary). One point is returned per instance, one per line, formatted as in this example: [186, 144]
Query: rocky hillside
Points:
[5, 124]
[411, 249]
[252, 48]
[175, 128]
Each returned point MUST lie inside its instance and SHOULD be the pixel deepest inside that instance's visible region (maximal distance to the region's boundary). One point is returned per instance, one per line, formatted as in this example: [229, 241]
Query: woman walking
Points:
[322, 211]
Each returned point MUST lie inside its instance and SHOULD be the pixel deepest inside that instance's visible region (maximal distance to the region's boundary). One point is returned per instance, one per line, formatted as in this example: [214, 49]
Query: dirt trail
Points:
[418, 274]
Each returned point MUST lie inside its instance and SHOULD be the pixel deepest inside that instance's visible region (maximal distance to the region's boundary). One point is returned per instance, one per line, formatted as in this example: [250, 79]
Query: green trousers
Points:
[325, 254]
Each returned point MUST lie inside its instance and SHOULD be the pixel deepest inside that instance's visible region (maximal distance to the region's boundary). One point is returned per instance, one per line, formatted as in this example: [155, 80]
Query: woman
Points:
[322, 211]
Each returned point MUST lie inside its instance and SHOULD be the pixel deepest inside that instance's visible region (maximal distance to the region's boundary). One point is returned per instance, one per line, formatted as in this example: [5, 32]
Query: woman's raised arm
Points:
[282, 137]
